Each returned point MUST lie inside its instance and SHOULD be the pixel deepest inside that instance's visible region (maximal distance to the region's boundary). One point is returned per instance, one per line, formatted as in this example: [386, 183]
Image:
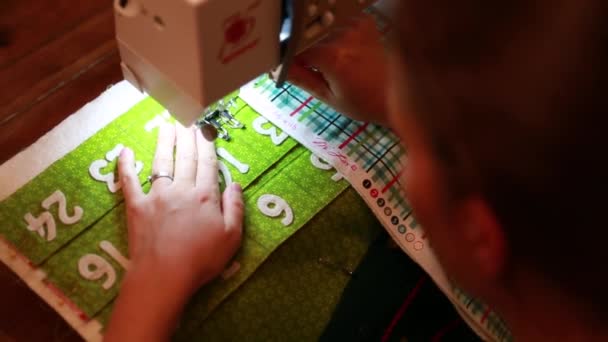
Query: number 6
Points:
[94, 267]
[273, 206]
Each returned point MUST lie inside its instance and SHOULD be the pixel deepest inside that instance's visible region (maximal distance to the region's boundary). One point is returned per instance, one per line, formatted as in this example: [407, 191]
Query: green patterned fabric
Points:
[62, 268]
[293, 294]
[71, 176]
[103, 317]
[249, 147]
[262, 234]
[279, 167]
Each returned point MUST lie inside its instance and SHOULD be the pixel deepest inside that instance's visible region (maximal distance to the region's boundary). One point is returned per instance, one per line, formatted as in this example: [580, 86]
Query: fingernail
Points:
[126, 152]
[237, 187]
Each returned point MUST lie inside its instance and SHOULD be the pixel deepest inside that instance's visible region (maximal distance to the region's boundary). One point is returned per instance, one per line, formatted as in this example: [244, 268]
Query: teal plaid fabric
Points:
[374, 148]
[495, 323]
[378, 151]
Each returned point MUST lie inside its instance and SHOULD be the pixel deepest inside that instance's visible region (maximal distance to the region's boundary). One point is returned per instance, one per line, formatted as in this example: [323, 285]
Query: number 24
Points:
[46, 219]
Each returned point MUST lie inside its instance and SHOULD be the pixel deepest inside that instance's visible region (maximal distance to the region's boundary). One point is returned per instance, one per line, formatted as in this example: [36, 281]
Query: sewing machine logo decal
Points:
[238, 34]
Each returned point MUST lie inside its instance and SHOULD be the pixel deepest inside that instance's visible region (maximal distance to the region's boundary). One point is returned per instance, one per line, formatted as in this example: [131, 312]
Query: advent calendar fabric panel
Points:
[69, 222]
[64, 230]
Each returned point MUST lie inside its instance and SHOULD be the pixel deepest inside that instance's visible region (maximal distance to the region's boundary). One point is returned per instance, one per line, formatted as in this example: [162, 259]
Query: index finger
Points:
[207, 170]
[309, 80]
[322, 56]
[128, 177]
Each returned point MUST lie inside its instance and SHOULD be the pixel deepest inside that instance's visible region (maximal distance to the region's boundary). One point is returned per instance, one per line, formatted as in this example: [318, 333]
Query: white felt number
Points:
[38, 224]
[274, 206]
[277, 139]
[109, 248]
[59, 197]
[225, 173]
[108, 178]
[95, 171]
[229, 158]
[46, 219]
[94, 267]
[323, 165]
[157, 121]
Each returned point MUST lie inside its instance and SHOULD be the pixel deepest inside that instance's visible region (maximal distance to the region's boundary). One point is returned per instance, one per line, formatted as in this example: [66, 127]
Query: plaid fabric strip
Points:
[396, 195]
[378, 151]
[493, 322]
[498, 327]
[375, 149]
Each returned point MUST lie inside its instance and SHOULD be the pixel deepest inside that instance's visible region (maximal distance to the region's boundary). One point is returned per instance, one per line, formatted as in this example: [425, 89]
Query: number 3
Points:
[276, 138]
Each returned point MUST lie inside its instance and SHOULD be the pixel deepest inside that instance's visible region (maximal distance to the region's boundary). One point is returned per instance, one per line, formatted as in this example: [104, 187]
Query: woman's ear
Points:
[484, 237]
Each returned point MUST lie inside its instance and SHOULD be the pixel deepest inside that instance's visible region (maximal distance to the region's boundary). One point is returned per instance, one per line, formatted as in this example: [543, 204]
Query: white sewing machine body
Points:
[187, 54]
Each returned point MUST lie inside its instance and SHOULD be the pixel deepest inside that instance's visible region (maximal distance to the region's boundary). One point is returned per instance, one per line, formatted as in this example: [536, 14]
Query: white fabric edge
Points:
[427, 259]
[89, 330]
[66, 136]
[27, 164]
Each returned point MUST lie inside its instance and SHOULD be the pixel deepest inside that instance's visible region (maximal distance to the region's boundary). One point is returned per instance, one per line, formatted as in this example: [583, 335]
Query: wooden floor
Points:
[55, 56]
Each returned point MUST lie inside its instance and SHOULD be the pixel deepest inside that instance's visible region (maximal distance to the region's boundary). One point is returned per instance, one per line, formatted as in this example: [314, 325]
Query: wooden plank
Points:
[26, 127]
[29, 24]
[26, 317]
[33, 77]
[55, 56]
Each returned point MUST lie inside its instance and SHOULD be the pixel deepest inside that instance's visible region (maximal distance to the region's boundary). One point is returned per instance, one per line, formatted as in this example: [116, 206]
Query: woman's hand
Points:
[181, 235]
[184, 228]
[347, 71]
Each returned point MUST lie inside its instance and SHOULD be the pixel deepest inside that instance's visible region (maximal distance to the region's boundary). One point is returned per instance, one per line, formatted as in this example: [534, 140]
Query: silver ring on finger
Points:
[155, 176]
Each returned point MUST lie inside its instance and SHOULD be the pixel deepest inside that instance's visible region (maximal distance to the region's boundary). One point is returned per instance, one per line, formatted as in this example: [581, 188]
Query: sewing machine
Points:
[187, 54]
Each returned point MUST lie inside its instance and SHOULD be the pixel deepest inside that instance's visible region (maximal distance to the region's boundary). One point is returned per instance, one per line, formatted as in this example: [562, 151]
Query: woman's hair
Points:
[513, 96]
